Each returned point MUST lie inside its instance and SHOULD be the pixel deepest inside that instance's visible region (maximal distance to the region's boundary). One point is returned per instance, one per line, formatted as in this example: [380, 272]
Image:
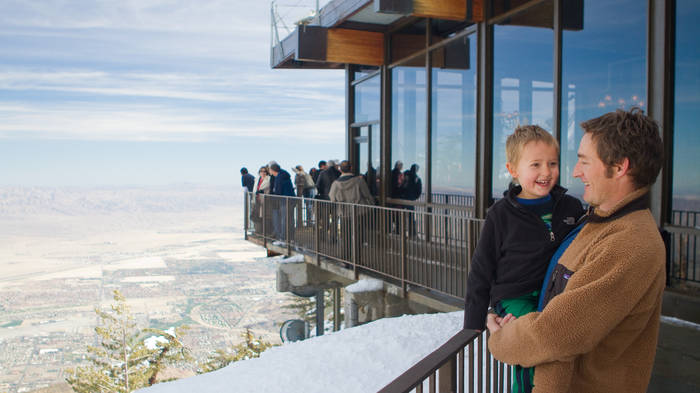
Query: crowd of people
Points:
[332, 181]
[317, 182]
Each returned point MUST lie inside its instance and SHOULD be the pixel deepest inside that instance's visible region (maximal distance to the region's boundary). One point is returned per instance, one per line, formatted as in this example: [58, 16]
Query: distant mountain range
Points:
[76, 201]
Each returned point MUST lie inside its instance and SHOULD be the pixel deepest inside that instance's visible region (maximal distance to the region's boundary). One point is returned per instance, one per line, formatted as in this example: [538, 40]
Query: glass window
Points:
[363, 70]
[408, 122]
[367, 146]
[367, 100]
[454, 122]
[522, 79]
[603, 68]
[686, 130]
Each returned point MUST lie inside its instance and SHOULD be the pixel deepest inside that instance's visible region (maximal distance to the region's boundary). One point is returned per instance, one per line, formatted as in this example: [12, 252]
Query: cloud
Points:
[155, 70]
[90, 121]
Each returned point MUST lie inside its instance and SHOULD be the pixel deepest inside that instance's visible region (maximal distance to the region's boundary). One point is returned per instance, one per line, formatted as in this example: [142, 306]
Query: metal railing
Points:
[419, 247]
[462, 364]
[403, 246]
[684, 247]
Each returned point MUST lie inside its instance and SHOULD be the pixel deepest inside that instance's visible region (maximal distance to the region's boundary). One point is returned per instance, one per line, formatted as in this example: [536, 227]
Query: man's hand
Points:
[494, 323]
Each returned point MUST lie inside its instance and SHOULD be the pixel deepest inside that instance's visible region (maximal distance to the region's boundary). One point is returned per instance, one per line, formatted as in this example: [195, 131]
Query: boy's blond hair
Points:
[524, 135]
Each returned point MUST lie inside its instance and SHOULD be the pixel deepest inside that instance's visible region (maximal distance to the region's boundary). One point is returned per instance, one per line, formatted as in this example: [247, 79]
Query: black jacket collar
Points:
[637, 200]
[513, 190]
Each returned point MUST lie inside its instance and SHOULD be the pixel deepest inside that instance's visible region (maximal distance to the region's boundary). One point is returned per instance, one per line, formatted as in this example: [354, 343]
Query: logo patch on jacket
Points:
[569, 221]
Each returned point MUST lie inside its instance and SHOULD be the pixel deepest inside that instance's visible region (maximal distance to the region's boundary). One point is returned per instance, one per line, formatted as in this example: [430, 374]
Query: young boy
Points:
[520, 234]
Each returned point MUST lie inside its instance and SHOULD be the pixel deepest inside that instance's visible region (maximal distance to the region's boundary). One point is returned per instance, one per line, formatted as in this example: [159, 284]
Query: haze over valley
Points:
[176, 253]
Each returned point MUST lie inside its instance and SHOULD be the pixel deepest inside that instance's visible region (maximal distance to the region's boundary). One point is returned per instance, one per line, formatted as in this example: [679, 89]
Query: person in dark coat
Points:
[412, 185]
[326, 179]
[247, 180]
[397, 180]
[283, 187]
[411, 189]
[322, 166]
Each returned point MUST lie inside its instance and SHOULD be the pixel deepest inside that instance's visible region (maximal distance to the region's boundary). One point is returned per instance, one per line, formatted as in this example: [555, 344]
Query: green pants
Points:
[519, 306]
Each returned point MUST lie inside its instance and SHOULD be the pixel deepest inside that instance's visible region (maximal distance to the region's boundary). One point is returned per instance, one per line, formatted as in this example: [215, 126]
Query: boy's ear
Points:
[511, 170]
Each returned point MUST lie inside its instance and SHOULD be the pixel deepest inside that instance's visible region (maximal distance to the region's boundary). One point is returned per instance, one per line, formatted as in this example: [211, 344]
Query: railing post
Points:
[447, 381]
[288, 229]
[353, 238]
[402, 233]
[317, 221]
[264, 218]
[246, 214]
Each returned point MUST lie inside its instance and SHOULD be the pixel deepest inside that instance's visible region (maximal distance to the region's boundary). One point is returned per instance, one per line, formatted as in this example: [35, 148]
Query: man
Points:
[598, 323]
[247, 180]
[326, 179]
[282, 186]
[322, 165]
[349, 188]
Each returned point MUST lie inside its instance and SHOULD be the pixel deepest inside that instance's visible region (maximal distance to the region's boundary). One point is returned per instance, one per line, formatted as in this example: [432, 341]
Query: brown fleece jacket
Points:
[599, 334]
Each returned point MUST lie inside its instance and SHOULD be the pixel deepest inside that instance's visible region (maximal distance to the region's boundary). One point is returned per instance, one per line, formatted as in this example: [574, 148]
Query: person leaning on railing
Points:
[282, 186]
[349, 188]
[598, 321]
[262, 186]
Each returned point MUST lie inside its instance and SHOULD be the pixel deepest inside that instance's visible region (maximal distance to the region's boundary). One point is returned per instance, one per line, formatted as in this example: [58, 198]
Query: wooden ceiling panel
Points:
[355, 47]
[441, 9]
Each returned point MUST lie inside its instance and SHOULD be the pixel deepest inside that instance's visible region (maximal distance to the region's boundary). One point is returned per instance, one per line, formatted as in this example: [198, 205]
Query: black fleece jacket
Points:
[513, 252]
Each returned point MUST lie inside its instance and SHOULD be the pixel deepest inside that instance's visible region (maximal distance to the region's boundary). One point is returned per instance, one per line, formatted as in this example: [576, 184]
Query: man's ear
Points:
[622, 168]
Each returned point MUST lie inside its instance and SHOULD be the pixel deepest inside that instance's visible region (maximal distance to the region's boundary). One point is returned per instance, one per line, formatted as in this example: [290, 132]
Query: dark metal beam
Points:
[557, 69]
[660, 67]
[349, 114]
[427, 171]
[484, 116]
[385, 116]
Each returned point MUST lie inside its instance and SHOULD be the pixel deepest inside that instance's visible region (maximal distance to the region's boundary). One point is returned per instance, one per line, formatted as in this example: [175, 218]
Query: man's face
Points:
[598, 183]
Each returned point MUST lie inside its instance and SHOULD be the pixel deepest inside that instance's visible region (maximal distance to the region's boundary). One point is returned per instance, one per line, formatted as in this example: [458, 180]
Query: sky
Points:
[156, 92]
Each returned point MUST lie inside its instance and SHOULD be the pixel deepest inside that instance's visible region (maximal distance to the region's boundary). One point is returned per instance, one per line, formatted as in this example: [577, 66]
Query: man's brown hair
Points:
[345, 166]
[632, 135]
[524, 135]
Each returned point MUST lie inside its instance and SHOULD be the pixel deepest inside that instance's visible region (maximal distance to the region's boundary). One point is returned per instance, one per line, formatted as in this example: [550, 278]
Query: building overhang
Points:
[352, 32]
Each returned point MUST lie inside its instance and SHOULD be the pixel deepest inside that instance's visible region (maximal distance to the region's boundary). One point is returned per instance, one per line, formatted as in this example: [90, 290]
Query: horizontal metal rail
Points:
[462, 364]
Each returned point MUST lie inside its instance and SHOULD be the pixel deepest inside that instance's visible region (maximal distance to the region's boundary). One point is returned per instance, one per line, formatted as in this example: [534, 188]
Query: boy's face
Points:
[537, 170]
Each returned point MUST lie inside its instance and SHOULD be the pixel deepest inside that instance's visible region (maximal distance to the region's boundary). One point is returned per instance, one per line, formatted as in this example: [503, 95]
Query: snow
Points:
[680, 322]
[365, 285]
[360, 359]
[293, 259]
[152, 342]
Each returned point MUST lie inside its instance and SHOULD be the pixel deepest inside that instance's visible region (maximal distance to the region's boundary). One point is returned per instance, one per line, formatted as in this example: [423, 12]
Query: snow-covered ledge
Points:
[367, 300]
[295, 275]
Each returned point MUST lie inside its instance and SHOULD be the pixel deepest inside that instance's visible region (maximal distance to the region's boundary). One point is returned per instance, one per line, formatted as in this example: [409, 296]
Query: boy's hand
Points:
[494, 323]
